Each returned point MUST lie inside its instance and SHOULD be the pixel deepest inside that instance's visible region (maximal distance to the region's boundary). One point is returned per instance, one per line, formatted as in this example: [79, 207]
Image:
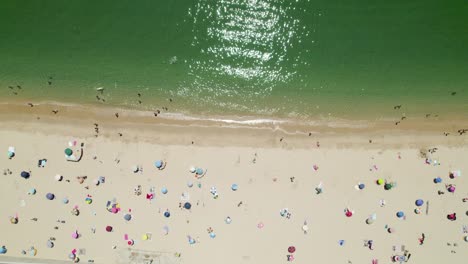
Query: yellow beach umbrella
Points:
[144, 237]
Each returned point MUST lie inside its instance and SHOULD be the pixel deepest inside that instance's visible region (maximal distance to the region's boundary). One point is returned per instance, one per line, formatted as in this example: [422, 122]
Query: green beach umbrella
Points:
[388, 186]
[68, 151]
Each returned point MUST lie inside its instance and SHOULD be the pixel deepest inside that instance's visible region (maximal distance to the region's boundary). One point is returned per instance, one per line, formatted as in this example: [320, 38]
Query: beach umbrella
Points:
[388, 186]
[163, 190]
[25, 174]
[228, 220]
[391, 230]
[361, 186]
[451, 188]
[400, 214]
[419, 202]
[58, 177]
[199, 171]
[14, 220]
[68, 152]
[370, 220]
[3, 250]
[212, 235]
[466, 238]
[88, 200]
[109, 228]
[128, 217]
[187, 205]
[32, 191]
[291, 249]
[158, 164]
[96, 182]
[190, 184]
[50, 244]
[11, 154]
[380, 181]
[167, 214]
[144, 237]
[438, 180]
[234, 187]
[65, 200]
[130, 242]
[71, 256]
[192, 169]
[135, 169]
[75, 235]
[50, 196]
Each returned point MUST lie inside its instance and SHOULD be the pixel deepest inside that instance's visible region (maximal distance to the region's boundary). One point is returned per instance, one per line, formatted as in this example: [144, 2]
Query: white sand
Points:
[340, 169]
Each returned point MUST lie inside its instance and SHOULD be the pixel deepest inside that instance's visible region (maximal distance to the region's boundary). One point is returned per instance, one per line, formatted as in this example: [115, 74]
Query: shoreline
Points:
[273, 132]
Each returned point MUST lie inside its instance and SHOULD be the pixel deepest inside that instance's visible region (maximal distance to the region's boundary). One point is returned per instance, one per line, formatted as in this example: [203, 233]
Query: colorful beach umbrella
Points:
[25, 174]
[50, 244]
[3, 250]
[419, 202]
[50, 196]
[158, 164]
[68, 151]
[128, 217]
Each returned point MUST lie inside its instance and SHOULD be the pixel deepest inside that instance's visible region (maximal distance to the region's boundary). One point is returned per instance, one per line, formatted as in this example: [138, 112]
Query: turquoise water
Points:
[262, 58]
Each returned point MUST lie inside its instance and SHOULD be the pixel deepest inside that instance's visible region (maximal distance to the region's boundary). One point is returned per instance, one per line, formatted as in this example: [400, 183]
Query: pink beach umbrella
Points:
[451, 188]
[75, 235]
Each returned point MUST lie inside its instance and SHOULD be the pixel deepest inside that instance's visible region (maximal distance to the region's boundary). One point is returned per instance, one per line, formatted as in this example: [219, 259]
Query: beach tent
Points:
[25, 174]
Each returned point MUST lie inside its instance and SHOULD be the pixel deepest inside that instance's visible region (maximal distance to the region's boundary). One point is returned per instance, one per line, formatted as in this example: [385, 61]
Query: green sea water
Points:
[266, 58]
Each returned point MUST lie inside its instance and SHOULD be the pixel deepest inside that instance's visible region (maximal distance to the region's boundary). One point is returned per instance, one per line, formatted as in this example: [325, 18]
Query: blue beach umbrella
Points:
[128, 217]
[438, 180]
[199, 171]
[163, 190]
[3, 250]
[158, 164]
[167, 214]
[25, 174]
[187, 205]
[65, 200]
[50, 196]
[212, 235]
[419, 202]
[234, 187]
[400, 214]
[361, 186]
[11, 154]
[32, 191]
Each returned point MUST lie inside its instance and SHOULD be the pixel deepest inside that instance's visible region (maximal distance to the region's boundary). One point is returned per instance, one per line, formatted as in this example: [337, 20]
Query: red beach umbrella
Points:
[109, 228]
[291, 249]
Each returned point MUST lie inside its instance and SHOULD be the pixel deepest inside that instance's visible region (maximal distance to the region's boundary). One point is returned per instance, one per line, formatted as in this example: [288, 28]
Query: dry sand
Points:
[265, 187]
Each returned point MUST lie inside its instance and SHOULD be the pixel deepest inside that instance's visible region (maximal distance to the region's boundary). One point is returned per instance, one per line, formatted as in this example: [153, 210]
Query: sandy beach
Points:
[294, 191]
